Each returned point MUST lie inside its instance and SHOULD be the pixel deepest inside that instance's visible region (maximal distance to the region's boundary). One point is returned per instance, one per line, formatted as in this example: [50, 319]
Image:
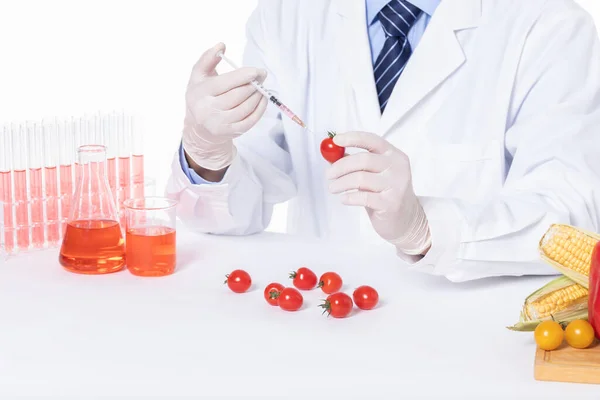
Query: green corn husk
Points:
[529, 318]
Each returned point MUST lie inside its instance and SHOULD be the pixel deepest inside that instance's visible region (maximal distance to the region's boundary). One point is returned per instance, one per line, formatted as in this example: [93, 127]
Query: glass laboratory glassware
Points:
[21, 201]
[51, 153]
[6, 191]
[36, 188]
[150, 238]
[137, 160]
[93, 242]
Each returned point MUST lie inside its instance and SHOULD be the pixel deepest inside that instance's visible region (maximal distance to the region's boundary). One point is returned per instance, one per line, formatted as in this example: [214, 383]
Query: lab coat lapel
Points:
[354, 55]
[438, 55]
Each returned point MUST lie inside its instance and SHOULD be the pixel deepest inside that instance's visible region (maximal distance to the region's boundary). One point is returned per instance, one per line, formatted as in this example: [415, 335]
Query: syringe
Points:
[268, 95]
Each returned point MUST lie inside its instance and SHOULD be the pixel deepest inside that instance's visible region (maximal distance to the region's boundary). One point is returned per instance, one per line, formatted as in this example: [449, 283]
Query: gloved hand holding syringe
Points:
[268, 95]
[220, 108]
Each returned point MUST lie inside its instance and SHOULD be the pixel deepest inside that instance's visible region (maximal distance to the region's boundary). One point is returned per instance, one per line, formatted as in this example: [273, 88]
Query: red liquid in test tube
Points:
[65, 153]
[50, 140]
[110, 139]
[6, 192]
[36, 202]
[79, 139]
[124, 149]
[137, 160]
[94, 137]
[19, 142]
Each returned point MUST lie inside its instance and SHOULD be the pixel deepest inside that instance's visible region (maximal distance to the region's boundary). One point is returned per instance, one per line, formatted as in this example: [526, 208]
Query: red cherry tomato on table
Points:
[330, 282]
[331, 151]
[338, 305]
[365, 297]
[304, 279]
[272, 292]
[238, 281]
[289, 299]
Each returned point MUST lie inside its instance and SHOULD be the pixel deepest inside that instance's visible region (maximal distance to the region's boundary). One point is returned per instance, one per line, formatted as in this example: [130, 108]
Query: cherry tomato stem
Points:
[271, 293]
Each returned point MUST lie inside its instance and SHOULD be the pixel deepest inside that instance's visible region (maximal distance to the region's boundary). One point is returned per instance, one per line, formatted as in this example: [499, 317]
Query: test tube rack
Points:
[39, 169]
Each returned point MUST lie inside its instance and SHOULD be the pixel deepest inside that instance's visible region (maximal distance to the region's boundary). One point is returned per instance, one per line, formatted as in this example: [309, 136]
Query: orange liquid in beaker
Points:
[93, 247]
[151, 251]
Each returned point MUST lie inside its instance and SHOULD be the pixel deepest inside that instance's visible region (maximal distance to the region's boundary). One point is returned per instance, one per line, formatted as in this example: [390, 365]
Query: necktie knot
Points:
[398, 17]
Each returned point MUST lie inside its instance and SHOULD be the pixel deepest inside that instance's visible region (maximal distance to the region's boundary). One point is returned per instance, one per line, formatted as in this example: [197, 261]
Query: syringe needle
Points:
[268, 95]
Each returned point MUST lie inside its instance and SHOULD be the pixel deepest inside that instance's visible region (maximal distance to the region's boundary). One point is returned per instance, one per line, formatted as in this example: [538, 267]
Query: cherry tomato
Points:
[579, 334]
[304, 279]
[238, 281]
[331, 151]
[330, 282]
[365, 297]
[289, 299]
[549, 335]
[338, 305]
[272, 292]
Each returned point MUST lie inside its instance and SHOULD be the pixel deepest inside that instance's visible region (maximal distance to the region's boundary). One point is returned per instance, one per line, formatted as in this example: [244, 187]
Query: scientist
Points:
[470, 126]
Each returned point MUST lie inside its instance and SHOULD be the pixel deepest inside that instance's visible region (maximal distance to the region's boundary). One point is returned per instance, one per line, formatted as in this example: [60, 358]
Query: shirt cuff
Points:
[189, 172]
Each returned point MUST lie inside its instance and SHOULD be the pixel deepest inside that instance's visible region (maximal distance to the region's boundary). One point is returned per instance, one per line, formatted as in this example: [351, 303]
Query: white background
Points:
[72, 57]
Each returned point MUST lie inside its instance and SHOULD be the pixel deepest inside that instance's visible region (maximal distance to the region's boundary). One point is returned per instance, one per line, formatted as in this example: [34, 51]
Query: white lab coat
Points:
[498, 110]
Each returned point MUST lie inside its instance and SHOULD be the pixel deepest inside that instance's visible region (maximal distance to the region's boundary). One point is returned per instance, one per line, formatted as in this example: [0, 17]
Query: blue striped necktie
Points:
[397, 18]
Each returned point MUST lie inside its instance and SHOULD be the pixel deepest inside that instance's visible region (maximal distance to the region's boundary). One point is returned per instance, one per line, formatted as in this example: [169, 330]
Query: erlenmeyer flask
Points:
[93, 242]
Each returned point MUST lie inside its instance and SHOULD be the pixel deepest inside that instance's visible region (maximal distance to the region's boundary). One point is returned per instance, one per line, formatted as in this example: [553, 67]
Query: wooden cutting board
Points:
[567, 364]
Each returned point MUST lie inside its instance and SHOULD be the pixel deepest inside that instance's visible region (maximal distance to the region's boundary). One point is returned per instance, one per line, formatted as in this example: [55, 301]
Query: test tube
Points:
[94, 137]
[110, 134]
[78, 140]
[50, 140]
[36, 201]
[19, 146]
[123, 135]
[6, 190]
[65, 152]
[137, 159]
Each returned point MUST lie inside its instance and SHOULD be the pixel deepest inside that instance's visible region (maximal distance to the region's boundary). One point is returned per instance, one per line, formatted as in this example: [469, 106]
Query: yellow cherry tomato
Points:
[579, 334]
[549, 335]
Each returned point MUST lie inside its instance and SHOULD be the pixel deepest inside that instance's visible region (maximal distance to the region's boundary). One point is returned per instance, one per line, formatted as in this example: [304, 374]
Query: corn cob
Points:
[569, 250]
[561, 300]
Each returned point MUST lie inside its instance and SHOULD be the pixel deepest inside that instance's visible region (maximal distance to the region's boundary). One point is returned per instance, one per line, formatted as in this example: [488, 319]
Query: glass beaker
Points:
[150, 236]
[93, 242]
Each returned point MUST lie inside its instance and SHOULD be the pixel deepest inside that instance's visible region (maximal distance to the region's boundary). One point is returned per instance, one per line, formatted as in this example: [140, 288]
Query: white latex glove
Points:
[219, 108]
[380, 180]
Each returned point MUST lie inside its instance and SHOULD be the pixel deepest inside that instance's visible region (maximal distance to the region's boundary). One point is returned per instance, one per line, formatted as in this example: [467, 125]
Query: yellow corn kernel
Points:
[558, 300]
[569, 247]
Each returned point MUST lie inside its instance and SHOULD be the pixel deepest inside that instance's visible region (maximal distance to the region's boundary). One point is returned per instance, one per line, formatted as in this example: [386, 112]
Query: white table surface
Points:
[187, 334]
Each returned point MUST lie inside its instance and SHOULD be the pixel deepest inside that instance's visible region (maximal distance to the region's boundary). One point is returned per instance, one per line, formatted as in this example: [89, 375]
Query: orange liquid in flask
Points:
[151, 251]
[93, 247]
